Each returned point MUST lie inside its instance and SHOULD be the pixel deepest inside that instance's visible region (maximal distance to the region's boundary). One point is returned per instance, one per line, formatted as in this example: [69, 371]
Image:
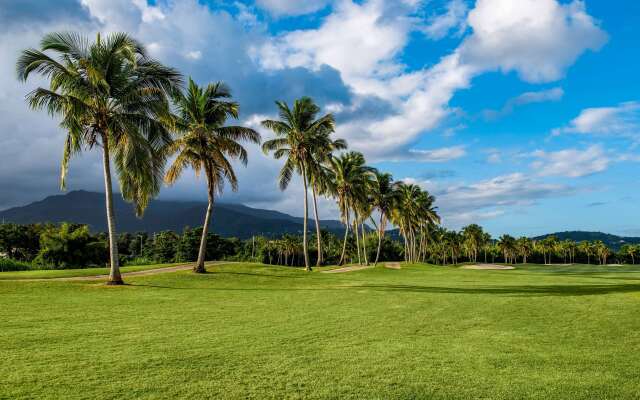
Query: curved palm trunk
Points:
[344, 242]
[307, 266]
[380, 234]
[199, 267]
[364, 245]
[315, 214]
[114, 274]
[357, 234]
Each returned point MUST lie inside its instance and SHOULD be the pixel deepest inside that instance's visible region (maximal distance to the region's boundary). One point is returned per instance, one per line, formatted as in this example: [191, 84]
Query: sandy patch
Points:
[347, 269]
[393, 265]
[615, 265]
[488, 266]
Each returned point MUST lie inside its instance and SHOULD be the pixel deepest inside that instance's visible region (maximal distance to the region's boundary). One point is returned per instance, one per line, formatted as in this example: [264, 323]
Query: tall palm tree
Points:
[298, 135]
[383, 198]
[110, 95]
[319, 176]
[205, 144]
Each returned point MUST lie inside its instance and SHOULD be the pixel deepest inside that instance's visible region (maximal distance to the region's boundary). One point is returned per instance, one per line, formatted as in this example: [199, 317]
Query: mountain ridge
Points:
[229, 219]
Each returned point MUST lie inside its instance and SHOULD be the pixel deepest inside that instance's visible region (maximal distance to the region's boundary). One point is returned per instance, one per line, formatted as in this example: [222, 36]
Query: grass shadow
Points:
[531, 291]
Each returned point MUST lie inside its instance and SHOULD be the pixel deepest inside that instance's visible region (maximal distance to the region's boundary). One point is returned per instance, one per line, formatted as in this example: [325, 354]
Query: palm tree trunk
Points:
[315, 214]
[307, 266]
[380, 233]
[199, 267]
[364, 245]
[114, 274]
[357, 233]
[344, 242]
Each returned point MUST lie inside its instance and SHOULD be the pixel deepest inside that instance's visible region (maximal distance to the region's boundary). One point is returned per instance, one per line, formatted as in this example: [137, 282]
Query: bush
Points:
[138, 261]
[7, 264]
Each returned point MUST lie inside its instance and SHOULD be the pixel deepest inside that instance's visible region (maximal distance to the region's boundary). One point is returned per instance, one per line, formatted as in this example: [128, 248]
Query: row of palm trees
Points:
[110, 95]
[472, 243]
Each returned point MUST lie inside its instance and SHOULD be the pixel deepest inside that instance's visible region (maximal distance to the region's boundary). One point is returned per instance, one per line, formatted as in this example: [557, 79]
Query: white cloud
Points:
[572, 163]
[355, 39]
[539, 39]
[194, 55]
[280, 8]
[442, 154]
[622, 120]
[454, 18]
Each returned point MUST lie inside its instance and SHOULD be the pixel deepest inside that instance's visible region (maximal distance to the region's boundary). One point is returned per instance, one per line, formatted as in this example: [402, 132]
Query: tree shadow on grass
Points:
[519, 291]
[530, 291]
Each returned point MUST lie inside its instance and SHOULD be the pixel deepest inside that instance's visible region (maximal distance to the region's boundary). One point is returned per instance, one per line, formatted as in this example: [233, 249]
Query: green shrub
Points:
[138, 261]
[7, 264]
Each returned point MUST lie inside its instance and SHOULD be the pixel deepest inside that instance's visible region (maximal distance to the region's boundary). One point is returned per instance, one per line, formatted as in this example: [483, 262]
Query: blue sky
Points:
[520, 115]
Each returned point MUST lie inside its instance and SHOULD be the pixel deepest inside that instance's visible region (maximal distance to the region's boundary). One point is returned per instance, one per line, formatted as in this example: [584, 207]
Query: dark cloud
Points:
[25, 13]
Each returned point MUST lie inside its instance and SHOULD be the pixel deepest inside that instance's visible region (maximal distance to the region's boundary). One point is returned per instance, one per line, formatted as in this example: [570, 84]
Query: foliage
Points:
[8, 264]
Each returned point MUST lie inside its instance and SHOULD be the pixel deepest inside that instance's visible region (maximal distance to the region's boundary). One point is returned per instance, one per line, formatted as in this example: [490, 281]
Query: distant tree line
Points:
[59, 246]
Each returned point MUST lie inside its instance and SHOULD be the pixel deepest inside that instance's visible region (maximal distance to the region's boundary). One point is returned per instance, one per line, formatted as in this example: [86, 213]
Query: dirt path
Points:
[154, 271]
[392, 265]
[348, 269]
[488, 266]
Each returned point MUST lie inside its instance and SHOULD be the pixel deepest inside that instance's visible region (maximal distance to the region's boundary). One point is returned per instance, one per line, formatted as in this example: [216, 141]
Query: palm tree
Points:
[348, 177]
[298, 135]
[507, 244]
[319, 176]
[383, 197]
[524, 247]
[414, 211]
[112, 96]
[472, 240]
[205, 144]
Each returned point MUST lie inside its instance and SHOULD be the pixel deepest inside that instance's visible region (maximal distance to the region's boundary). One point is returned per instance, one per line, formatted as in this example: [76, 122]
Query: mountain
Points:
[229, 220]
[612, 241]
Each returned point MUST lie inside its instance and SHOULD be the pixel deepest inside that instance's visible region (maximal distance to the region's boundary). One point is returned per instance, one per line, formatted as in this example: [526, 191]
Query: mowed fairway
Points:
[252, 331]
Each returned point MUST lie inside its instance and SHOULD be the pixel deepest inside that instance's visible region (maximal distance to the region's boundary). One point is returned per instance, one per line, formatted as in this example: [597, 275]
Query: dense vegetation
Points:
[50, 246]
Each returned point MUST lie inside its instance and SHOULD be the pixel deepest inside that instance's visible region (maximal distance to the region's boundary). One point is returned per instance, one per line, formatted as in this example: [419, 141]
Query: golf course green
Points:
[256, 331]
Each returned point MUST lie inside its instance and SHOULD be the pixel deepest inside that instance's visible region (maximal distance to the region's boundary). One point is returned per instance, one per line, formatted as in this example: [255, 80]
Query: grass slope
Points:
[68, 273]
[248, 331]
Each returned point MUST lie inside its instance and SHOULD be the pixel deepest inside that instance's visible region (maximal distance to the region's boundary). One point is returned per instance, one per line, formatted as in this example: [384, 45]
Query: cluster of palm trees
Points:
[112, 96]
[304, 141]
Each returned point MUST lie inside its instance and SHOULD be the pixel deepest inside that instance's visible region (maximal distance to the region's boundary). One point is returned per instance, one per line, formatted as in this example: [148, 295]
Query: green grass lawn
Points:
[68, 273]
[250, 331]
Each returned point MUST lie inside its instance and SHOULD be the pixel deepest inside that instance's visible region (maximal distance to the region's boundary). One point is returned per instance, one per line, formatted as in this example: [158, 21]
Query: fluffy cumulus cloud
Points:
[538, 39]
[622, 120]
[572, 163]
